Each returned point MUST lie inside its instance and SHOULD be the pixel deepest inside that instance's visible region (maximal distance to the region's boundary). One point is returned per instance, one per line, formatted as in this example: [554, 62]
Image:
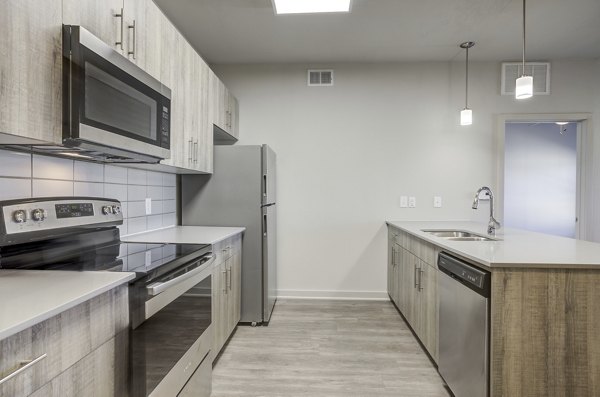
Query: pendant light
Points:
[524, 84]
[466, 115]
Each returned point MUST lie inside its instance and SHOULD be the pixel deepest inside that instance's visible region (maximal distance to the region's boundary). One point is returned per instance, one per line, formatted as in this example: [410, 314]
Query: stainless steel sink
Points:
[459, 235]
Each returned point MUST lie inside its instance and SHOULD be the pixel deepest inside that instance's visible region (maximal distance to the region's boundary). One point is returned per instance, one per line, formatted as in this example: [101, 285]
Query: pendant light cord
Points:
[524, 9]
[467, 80]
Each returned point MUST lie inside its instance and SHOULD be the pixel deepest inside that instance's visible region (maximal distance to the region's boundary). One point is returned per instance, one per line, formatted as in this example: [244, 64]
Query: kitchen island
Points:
[544, 311]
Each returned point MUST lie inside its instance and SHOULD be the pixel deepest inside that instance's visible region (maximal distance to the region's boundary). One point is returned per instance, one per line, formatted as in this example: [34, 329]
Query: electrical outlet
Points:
[412, 202]
[437, 202]
[403, 201]
[148, 206]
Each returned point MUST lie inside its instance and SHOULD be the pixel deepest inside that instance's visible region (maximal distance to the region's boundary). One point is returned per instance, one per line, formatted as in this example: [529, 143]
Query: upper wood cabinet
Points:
[30, 71]
[224, 107]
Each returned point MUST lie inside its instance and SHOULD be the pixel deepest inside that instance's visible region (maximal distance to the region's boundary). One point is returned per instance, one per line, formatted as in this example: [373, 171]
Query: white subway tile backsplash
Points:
[154, 222]
[136, 225]
[52, 168]
[169, 180]
[136, 209]
[136, 177]
[169, 206]
[169, 219]
[24, 175]
[113, 174]
[88, 172]
[50, 188]
[155, 192]
[169, 193]
[136, 193]
[118, 192]
[157, 207]
[12, 188]
[15, 164]
[88, 189]
[154, 178]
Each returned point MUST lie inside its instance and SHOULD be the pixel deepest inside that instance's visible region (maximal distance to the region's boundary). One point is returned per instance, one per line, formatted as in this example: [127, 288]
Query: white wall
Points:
[540, 178]
[347, 153]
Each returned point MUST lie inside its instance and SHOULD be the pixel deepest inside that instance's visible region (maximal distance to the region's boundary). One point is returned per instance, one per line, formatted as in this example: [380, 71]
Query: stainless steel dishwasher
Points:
[464, 292]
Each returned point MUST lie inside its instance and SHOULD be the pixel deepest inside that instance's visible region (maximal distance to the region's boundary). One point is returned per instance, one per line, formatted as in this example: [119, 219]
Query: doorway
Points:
[541, 177]
[544, 173]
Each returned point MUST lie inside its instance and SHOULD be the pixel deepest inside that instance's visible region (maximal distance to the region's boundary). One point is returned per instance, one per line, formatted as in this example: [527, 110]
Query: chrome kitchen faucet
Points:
[493, 224]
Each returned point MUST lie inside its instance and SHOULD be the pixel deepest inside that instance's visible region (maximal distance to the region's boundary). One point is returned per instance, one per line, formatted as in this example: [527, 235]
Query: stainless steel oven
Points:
[112, 110]
[171, 333]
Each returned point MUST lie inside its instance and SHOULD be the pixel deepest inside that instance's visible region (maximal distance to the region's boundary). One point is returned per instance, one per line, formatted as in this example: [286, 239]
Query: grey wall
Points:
[540, 178]
[347, 153]
[25, 175]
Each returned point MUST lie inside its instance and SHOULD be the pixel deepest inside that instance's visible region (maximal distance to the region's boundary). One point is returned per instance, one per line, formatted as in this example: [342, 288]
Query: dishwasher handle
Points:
[469, 275]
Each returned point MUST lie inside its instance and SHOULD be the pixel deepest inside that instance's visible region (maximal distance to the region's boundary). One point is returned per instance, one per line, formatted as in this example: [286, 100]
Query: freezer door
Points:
[268, 175]
[269, 260]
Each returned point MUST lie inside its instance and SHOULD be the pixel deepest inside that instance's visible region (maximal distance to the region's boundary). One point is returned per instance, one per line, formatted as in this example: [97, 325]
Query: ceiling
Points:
[248, 31]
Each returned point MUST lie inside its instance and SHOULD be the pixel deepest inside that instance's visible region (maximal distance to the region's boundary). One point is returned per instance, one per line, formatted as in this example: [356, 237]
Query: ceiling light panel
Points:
[311, 6]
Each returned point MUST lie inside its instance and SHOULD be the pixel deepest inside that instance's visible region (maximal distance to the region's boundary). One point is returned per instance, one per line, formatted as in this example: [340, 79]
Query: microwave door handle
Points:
[160, 286]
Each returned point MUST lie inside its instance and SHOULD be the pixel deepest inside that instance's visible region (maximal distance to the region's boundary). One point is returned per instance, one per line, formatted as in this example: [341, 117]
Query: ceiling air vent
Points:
[540, 71]
[320, 77]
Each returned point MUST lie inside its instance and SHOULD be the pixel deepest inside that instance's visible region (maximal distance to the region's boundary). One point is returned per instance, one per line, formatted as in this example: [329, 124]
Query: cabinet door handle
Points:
[23, 366]
[196, 151]
[190, 155]
[416, 271]
[224, 281]
[421, 271]
[120, 41]
[134, 39]
[229, 278]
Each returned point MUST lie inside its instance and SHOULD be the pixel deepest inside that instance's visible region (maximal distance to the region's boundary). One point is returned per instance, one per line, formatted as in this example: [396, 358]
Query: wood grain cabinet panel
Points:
[227, 276]
[31, 72]
[416, 283]
[62, 341]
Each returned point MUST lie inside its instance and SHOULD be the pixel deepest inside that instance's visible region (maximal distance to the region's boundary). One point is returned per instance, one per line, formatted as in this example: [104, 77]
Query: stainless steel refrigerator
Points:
[241, 192]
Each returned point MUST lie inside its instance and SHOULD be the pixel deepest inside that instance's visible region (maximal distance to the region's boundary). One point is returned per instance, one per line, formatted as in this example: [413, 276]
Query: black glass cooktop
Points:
[95, 251]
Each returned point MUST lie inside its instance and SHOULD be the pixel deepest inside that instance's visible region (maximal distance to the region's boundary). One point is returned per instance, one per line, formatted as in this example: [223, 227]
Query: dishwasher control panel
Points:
[463, 272]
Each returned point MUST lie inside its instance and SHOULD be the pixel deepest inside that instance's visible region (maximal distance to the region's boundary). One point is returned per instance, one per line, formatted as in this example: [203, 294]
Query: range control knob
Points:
[116, 209]
[19, 216]
[107, 209]
[38, 215]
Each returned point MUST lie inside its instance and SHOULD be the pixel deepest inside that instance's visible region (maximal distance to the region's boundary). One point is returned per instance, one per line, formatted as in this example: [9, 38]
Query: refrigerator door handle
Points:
[265, 185]
[265, 225]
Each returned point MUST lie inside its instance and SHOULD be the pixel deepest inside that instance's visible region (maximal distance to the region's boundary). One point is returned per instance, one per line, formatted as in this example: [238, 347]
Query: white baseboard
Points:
[337, 295]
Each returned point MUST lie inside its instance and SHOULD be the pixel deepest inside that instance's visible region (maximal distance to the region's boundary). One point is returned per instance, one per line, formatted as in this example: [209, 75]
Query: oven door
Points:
[176, 335]
[110, 101]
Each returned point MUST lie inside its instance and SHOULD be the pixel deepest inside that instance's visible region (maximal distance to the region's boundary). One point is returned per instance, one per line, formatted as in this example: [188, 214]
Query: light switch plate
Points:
[412, 202]
[148, 206]
[437, 201]
[403, 201]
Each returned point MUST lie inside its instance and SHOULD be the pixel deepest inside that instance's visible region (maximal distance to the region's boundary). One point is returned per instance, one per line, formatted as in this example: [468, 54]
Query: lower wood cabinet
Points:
[80, 352]
[412, 286]
[227, 287]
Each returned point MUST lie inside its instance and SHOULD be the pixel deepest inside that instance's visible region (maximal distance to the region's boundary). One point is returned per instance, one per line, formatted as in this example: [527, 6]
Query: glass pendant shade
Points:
[466, 117]
[524, 87]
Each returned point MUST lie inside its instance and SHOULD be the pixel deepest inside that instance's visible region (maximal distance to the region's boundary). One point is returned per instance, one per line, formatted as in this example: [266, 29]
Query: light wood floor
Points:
[327, 349]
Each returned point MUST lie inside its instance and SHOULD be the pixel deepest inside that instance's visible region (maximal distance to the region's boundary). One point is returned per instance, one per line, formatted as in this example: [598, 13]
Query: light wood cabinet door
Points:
[235, 297]
[427, 307]
[31, 71]
[104, 19]
[144, 26]
[220, 304]
[234, 116]
[408, 287]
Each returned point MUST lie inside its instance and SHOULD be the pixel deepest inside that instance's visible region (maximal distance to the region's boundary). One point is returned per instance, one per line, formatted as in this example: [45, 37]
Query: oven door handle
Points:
[161, 286]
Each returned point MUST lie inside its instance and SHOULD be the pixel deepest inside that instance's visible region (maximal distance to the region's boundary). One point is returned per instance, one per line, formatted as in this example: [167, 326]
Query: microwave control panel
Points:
[165, 126]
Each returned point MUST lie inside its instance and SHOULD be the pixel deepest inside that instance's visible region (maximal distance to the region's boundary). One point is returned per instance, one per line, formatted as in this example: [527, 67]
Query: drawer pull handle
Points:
[23, 365]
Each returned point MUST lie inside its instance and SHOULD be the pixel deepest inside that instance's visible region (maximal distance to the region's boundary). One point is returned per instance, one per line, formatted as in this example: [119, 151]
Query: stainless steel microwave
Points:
[113, 111]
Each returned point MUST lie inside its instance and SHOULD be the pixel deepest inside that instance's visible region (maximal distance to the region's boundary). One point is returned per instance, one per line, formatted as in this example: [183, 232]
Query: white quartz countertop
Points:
[28, 297]
[514, 248]
[186, 235]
